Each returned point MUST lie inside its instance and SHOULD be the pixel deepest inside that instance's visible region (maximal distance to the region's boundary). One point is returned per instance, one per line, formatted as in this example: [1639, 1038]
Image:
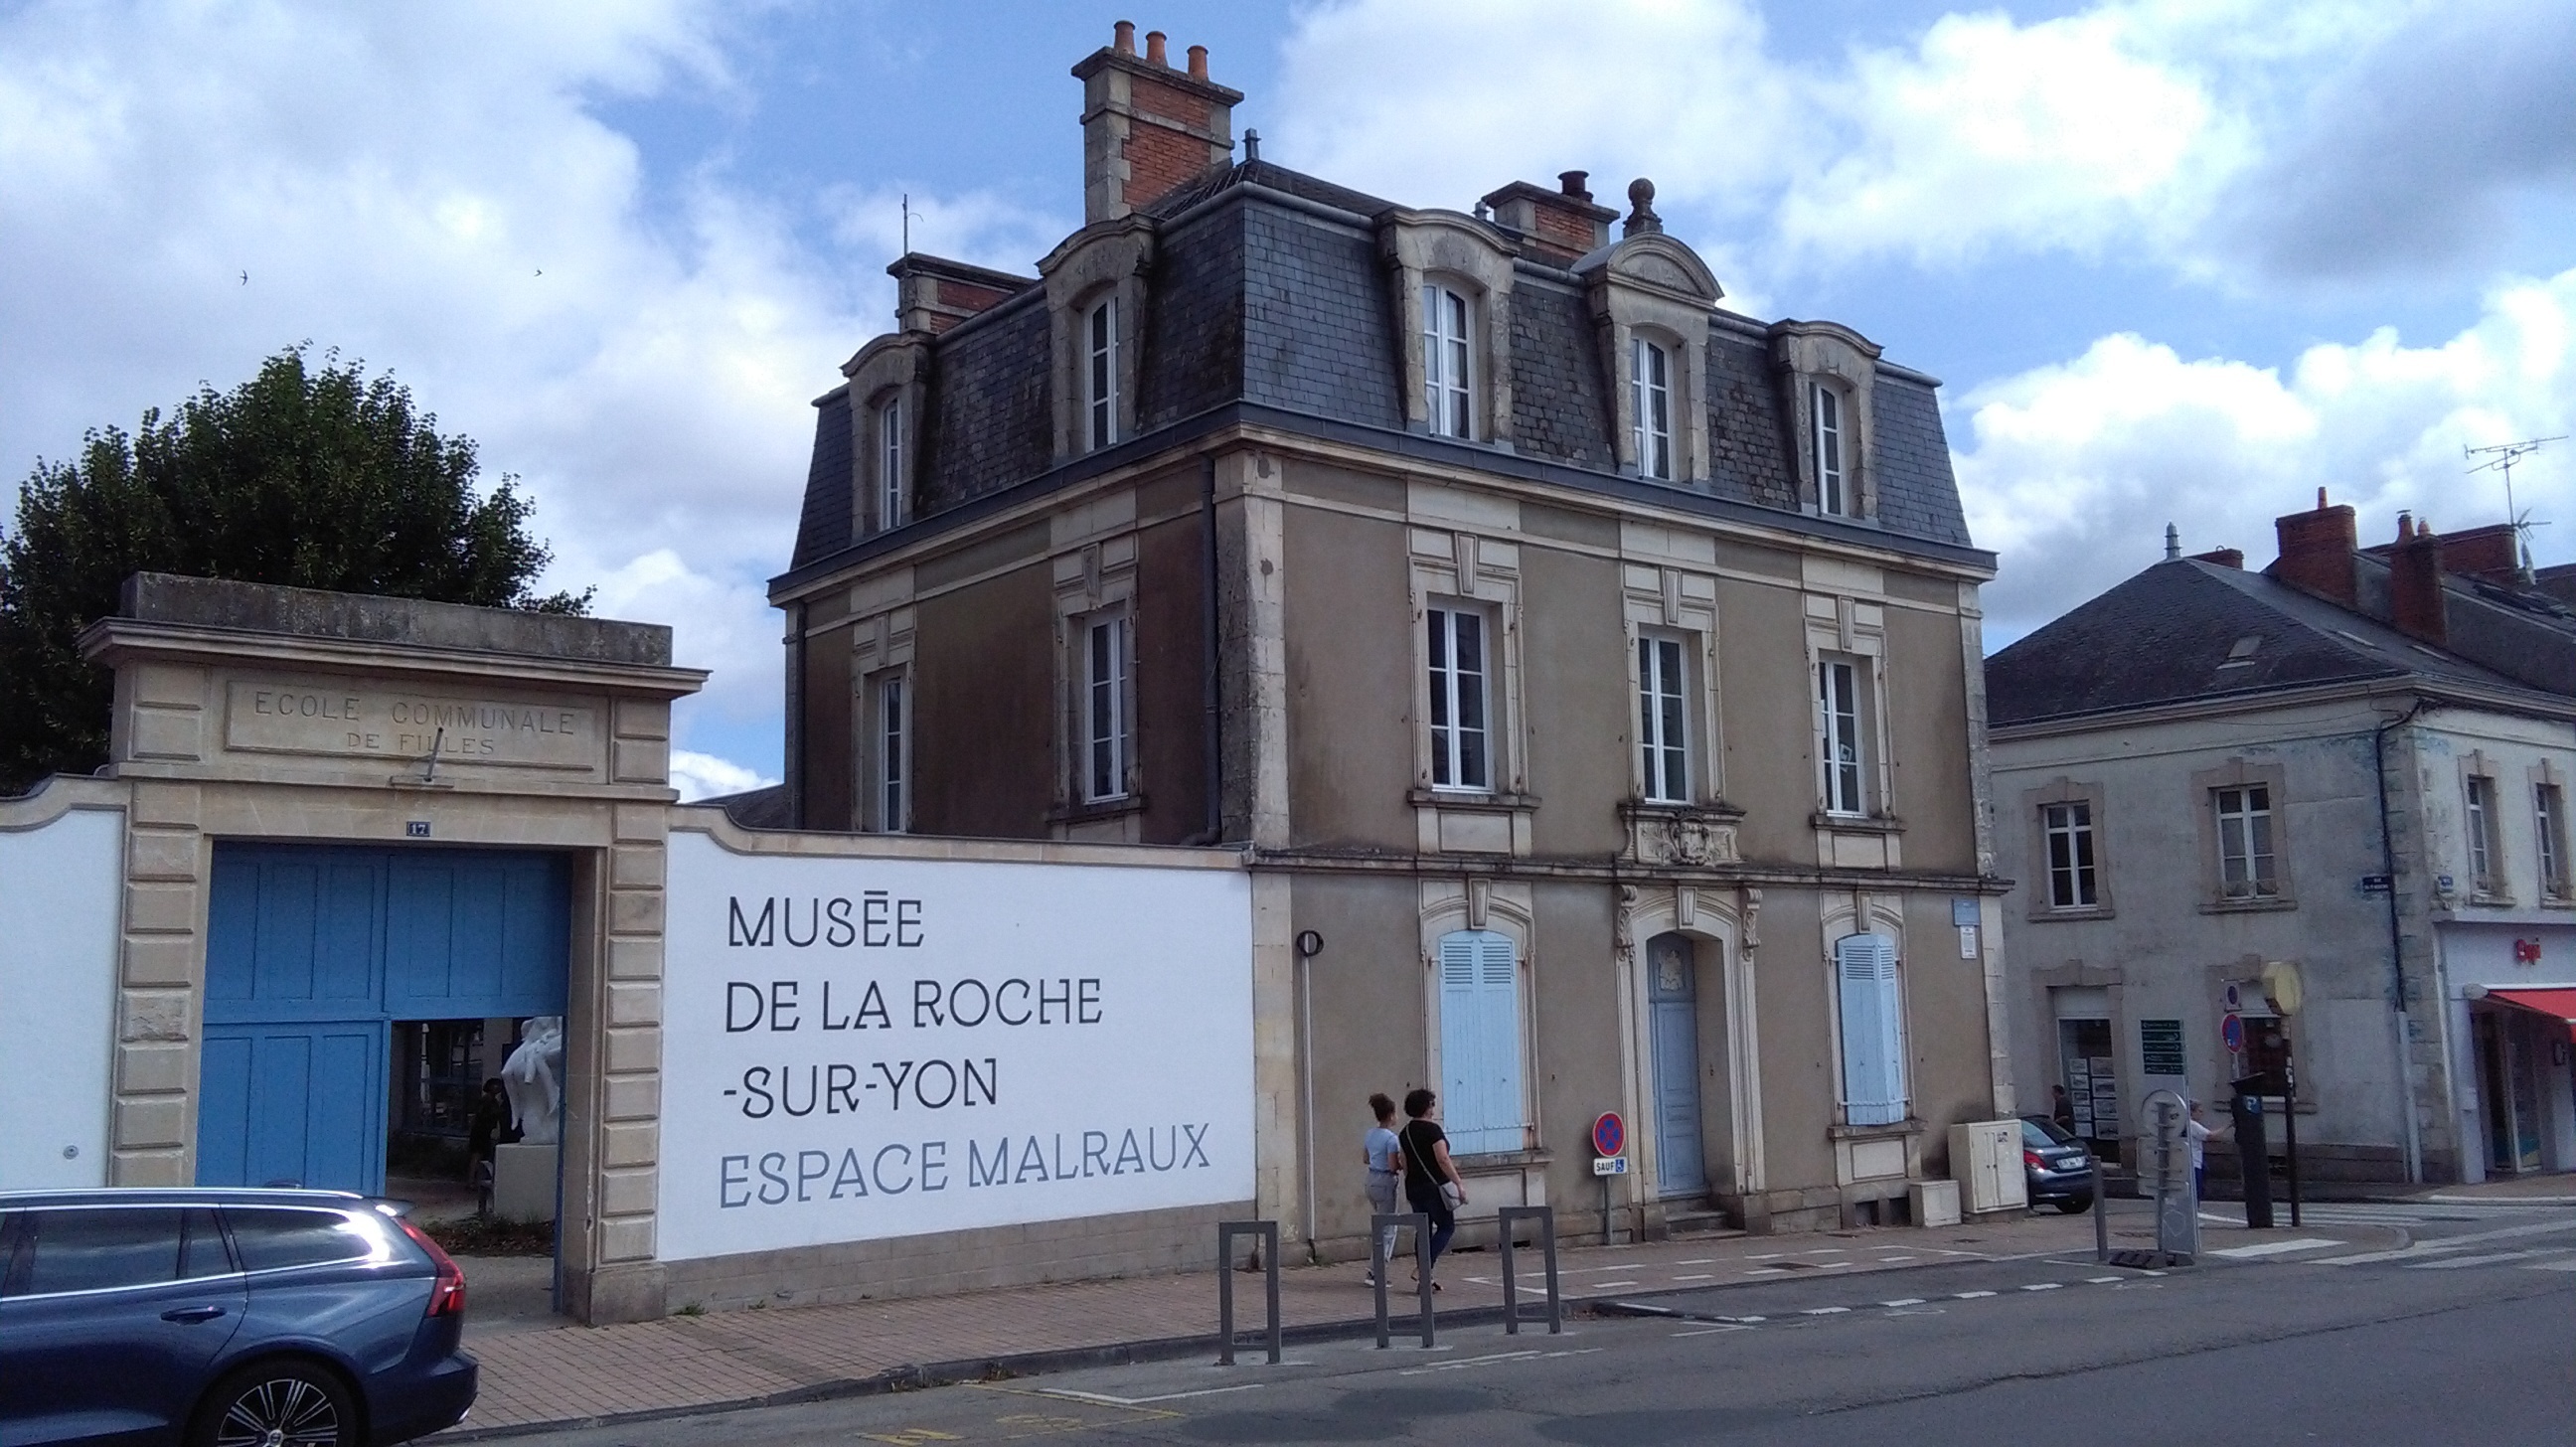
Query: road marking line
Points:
[2102, 1280]
[1765, 1255]
[2044, 1286]
[1766, 1271]
[1904, 1301]
[1750, 1319]
[1697, 1261]
[1825, 1311]
[1969, 1295]
[2275, 1248]
[1465, 1362]
[1714, 1330]
[1105, 1400]
[2564, 1263]
[1607, 1285]
[2446, 1245]
[1572, 1352]
[1697, 1276]
[2456, 1262]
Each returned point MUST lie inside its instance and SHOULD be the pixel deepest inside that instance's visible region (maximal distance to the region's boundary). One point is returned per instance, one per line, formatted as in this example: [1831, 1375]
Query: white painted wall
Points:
[59, 916]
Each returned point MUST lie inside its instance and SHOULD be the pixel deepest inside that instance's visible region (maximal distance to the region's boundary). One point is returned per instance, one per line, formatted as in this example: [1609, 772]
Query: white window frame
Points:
[1454, 692]
[1449, 360]
[1663, 716]
[2245, 811]
[2485, 848]
[2073, 858]
[1831, 456]
[1843, 742]
[2549, 826]
[1650, 397]
[890, 489]
[1108, 733]
[1100, 343]
[894, 761]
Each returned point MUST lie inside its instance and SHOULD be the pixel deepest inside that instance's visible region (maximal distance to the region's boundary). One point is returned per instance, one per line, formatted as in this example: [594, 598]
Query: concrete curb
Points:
[2499, 1200]
[1001, 1368]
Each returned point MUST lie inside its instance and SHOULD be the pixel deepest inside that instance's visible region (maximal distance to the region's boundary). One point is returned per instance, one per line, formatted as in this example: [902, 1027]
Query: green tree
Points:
[313, 477]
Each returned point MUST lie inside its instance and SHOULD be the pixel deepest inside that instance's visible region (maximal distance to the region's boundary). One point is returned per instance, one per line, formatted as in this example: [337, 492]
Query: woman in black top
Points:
[1431, 1182]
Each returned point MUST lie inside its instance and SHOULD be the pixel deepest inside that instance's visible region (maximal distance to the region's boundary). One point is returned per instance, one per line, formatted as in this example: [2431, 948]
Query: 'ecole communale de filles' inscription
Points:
[369, 723]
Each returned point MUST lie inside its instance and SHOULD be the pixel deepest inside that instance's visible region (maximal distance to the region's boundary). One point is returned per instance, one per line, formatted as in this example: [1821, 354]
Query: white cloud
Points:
[704, 776]
[2071, 471]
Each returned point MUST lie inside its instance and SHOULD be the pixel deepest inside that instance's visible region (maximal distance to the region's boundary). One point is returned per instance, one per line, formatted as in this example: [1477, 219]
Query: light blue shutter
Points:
[1498, 981]
[1461, 1040]
[1873, 1030]
[1480, 1042]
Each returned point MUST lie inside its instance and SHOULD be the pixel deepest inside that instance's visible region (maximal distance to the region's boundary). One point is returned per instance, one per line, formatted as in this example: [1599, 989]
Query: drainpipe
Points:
[1211, 725]
[2402, 1021]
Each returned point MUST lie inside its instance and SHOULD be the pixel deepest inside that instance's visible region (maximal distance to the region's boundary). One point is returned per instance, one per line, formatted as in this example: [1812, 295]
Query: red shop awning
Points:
[2558, 1005]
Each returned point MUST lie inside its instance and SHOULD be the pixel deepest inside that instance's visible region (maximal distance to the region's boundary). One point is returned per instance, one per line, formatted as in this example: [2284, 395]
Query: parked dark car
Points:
[226, 1317]
[2058, 1166]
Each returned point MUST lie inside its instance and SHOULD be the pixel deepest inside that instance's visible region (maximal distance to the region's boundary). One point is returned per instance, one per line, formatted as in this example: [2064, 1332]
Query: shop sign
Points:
[858, 1049]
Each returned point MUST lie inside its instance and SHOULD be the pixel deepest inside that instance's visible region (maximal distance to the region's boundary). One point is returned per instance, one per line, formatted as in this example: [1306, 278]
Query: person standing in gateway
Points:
[1431, 1182]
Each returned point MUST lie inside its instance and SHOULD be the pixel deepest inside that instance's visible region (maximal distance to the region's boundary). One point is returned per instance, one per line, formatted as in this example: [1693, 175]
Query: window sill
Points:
[2047, 915]
[1101, 809]
[1857, 823]
[1484, 800]
[2262, 904]
[2557, 901]
[1496, 1162]
[1910, 1126]
[2484, 900]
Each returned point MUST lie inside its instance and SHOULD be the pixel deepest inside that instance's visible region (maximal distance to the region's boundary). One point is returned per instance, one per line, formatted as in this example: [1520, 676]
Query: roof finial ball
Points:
[1641, 208]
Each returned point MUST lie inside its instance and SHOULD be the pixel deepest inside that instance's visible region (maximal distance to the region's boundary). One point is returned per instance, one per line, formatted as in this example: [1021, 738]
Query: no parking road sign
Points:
[1609, 1134]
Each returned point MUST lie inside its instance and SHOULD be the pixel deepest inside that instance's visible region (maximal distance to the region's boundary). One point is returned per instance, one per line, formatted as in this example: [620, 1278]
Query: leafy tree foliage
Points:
[313, 477]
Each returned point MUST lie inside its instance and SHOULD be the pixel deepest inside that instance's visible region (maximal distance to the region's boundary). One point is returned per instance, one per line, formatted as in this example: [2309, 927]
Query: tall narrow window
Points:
[1873, 1030]
[1663, 736]
[1838, 708]
[1481, 1106]
[1458, 732]
[2246, 867]
[892, 765]
[1104, 706]
[1833, 490]
[2482, 836]
[2549, 815]
[1447, 386]
[1100, 375]
[1650, 390]
[890, 490]
[2069, 830]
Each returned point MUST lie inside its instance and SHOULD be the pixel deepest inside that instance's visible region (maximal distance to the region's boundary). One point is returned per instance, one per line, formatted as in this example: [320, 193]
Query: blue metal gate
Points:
[313, 951]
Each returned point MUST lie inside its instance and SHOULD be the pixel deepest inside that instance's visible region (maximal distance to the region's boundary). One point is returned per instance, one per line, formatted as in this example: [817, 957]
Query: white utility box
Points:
[1985, 1161]
[1933, 1203]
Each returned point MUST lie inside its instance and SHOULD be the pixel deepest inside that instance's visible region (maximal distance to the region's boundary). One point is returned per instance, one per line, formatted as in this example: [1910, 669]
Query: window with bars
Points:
[1100, 374]
[1105, 732]
[2549, 820]
[2068, 830]
[2247, 868]
[2483, 843]
[1844, 736]
[1834, 493]
[1460, 753]
[890, 491]
[1448, 386]
[1481, 1103]
[1651, 396]
[892, 763]
[1873, 1029]
[1663, 730]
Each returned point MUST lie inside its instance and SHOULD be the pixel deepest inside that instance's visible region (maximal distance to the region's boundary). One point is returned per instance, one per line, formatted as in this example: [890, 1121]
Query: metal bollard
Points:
[1266, 1235]
[1420, 1221]
[1544, 1217]
[2101, 1216]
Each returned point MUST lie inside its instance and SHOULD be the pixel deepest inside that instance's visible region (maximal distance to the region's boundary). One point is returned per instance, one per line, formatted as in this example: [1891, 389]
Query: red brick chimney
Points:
[933, 293]
[2492, 552]
[2316, 551]
[1146, 127]
[2223, 557]
[1562, 224]
[2415, 584]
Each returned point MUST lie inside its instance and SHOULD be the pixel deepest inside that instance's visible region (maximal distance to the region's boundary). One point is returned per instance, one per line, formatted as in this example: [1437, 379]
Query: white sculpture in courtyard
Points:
[533, 1077]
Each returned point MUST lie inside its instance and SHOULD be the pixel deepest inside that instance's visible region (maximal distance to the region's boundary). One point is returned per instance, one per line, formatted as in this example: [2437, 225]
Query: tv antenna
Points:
[909, 214]
[2500, 458]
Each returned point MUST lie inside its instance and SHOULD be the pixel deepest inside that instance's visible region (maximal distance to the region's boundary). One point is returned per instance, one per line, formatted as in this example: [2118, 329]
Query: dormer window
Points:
[1100, 374]
[1650, 380]
[1834, 492]
[1448, 383]
[891, 512]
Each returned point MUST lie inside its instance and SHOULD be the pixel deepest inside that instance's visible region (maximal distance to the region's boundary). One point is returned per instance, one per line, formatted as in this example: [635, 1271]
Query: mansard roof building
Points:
[1555, 641]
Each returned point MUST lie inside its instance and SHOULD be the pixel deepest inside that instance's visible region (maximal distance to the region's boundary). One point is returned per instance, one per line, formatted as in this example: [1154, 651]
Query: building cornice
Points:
[115, 642]
[2398, 688]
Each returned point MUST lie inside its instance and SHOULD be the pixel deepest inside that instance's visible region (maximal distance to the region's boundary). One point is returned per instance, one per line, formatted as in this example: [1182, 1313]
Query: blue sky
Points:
[2178, 260]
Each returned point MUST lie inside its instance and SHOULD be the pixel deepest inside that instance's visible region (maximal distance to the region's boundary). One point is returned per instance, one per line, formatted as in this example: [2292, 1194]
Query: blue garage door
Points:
[313, 952]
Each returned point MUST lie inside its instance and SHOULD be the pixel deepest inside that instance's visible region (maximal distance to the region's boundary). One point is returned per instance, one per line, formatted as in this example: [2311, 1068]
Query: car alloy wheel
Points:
[286, 1407]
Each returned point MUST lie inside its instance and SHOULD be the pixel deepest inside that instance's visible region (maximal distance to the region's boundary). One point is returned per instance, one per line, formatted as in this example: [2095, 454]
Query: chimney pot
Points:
[1125, 43]
[2415, 603]
[1572, 183]
[1198, 62]
[2321, 499]
[1154, 47]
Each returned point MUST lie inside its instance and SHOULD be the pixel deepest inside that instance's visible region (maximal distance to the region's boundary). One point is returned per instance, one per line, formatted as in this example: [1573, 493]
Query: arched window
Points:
[1100, 374]
[1480, 1043]
[891, 512]
[1448, 384]
[1834, 491]
[1650, 396]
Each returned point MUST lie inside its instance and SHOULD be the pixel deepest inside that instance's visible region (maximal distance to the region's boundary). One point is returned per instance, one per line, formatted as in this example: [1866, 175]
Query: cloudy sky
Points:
[2181, 260]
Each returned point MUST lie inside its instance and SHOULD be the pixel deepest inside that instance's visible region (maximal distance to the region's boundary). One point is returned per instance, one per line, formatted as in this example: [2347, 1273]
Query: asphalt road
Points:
[2448, 1327]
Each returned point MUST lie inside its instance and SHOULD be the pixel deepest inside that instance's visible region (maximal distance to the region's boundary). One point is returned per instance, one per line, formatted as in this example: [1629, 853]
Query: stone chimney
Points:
[1147, 127]
[1562, 224]
[2415, 584]
[933, 293]
[2317, 549]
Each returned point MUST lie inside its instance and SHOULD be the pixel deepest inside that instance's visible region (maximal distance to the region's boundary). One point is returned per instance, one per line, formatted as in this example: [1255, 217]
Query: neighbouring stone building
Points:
[2353, 763]
[1589, 675]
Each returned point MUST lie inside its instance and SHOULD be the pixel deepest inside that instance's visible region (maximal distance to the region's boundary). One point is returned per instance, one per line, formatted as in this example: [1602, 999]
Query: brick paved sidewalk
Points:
[583, 1375]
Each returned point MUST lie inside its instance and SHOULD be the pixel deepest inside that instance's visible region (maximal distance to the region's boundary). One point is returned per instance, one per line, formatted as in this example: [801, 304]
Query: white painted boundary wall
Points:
[60, 883]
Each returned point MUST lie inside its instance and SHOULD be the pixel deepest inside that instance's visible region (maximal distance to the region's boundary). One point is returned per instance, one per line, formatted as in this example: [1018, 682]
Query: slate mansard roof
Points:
[1268, 296]
[2175, 633]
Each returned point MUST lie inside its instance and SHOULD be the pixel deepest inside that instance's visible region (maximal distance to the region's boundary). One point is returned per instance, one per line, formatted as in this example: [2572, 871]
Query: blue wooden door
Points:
[312, 953]
[1673, 1005]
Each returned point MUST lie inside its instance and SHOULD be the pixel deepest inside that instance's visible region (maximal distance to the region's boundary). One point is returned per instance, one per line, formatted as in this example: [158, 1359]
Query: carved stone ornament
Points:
[1684, 836]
